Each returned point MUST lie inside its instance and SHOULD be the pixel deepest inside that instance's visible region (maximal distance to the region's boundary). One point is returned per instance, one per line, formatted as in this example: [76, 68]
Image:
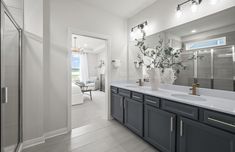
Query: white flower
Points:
[147, 60]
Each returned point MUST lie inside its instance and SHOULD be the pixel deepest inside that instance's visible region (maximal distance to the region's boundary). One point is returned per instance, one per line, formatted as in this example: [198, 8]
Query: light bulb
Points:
[146, 28]
[138, 34]
[194, 7]
[179, 13]
[213, 2]
[132, 34]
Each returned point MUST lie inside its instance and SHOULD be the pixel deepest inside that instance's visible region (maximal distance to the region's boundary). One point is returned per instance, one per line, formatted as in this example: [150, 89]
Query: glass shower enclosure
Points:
[11, 113]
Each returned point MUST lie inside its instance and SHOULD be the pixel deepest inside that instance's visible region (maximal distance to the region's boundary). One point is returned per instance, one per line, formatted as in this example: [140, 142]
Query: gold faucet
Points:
[194, 88]
[140, 82]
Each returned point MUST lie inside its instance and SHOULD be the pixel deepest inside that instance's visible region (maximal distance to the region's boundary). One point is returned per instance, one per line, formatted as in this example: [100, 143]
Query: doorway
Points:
[88, 79]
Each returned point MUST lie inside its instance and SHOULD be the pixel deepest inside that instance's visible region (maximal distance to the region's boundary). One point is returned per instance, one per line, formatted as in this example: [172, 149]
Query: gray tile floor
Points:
[101, 136]
[94, 134]
[89, 111]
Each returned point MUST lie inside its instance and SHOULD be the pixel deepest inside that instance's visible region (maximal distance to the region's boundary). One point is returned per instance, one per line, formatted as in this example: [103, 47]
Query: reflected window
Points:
[206, 43]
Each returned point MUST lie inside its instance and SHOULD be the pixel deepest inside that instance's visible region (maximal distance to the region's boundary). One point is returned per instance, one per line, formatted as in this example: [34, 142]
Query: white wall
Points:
[33, 71]
[161, 16]
[72, 13]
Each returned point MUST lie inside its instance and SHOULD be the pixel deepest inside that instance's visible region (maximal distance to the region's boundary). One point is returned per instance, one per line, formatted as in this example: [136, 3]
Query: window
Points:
[206, 43]
[75, 66]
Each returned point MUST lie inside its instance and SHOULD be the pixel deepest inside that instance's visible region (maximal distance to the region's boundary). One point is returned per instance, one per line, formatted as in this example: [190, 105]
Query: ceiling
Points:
[89, 44]
[122, 8]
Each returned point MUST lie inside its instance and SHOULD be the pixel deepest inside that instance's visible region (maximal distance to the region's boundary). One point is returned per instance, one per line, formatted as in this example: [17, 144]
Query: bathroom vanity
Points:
[174, 121]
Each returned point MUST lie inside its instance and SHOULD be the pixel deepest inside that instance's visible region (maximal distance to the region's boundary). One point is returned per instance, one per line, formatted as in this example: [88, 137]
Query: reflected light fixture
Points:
[137, 31]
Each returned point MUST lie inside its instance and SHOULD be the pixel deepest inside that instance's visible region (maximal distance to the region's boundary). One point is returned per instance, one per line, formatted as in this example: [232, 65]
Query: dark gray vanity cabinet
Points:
[173, 126]
[160, 128]
[198, 137]
[117, 107]
[133, 111]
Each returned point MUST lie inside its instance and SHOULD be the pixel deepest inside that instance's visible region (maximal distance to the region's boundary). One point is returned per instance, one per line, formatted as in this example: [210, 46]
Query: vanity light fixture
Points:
[194, 6]
[137, 30]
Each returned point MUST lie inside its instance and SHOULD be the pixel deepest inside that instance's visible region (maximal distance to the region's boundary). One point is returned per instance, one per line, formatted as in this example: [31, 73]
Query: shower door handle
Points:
[4, 97]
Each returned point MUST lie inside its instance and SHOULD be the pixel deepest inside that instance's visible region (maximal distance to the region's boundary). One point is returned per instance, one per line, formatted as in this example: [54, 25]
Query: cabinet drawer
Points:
[219, 120]
[153, 101]
[181, 109]
[125, 93]
[114, 89]
[137, 96]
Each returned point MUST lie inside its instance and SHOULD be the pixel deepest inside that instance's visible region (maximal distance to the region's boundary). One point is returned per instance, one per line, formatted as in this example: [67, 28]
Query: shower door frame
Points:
[4, 10]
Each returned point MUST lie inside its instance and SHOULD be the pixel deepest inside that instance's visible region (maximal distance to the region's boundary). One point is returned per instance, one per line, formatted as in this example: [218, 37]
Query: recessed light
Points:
[85, 45]
[194, 31]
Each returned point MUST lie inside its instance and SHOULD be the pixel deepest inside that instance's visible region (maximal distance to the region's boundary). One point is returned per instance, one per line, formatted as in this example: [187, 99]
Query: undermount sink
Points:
[188, 97]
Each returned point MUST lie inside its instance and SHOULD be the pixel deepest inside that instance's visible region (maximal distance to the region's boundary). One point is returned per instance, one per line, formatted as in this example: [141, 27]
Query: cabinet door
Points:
[134, 115]
[198, 137]
[117, 107]
[159, 128]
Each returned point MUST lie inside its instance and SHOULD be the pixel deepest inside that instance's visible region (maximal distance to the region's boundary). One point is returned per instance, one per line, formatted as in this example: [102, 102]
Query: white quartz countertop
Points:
[210, 102]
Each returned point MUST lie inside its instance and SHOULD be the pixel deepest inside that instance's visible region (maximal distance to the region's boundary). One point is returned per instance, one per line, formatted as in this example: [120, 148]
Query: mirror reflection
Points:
[207, 50]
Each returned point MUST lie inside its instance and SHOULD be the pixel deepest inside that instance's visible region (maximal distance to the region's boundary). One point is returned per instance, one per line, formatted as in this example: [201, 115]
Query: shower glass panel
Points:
[185, 77]
[204, 68]
[10, 85]
[223, 71]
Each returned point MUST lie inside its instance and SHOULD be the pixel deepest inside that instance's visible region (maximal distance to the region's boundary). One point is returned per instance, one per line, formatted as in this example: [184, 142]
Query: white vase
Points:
[168, 76]
[155, 78]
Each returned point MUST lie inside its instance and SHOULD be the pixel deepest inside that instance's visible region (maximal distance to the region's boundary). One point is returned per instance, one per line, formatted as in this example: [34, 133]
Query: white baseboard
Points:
[55, 133]
[33, 142]
[41, 140]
